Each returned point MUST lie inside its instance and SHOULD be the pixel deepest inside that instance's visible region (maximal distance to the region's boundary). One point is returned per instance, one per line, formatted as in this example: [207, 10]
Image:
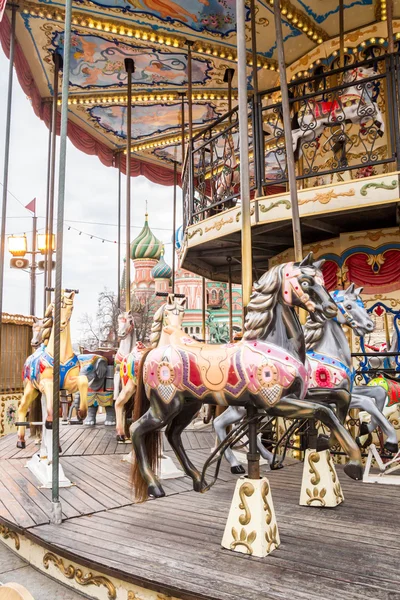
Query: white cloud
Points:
[91, 195]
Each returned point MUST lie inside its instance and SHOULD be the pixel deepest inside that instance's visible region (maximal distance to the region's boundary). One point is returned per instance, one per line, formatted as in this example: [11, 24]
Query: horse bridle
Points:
[291, 286]
[339, 298]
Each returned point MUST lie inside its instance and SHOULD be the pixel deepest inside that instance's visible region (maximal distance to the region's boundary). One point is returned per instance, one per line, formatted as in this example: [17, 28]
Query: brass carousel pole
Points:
[119, 233]
[174, 225]
[253, 458]
[228, 76]
[203, 304]
[58, 64]
[341, 33]
[56, 512]
[389, 19]
[182, 95]
[298, 245]
[229, 260]
[130, 68]
[190, 88]
[6, 161]
[257, 134]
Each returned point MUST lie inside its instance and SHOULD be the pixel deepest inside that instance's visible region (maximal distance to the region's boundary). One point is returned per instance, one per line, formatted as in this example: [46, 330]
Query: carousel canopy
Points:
[155, 33]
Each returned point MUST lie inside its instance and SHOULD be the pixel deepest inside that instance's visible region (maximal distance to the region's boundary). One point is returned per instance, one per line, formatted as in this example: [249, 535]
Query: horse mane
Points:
[47, 324]
[262, 303]
[156, 327]
[313, 332]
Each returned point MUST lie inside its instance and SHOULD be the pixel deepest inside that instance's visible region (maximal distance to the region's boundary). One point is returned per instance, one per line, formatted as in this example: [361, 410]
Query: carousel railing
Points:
[345, 123]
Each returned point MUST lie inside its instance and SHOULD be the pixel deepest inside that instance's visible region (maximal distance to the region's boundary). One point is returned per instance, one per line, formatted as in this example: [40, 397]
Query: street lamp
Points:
[18, 248]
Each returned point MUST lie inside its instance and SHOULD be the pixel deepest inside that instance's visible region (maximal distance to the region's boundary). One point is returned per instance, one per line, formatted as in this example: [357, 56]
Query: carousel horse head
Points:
[169, 315]
[37, 332]
[67, 306]
[359, 73]
[126, 324]
[352, 311]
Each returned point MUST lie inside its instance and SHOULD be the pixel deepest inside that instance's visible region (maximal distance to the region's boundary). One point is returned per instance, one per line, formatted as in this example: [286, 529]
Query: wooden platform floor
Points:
[172, 545]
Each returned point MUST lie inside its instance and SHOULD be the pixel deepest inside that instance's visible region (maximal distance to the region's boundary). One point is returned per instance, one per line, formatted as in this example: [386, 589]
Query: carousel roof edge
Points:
[78, 136]
[16, 319]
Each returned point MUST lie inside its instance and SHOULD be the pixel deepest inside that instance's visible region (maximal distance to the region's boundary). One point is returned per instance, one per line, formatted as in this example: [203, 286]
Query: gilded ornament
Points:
[7, 533]
[316, 496]
[81, 578]
[218, 225]
[239, 214]
[381, 186]
[326, 197]
[337, 489]
[313, 458]
[245, 490]
[267, 508]
[191, 234]
[265, 209]
[271, 538]
[243, 539]
[375, 261]
[331, 467]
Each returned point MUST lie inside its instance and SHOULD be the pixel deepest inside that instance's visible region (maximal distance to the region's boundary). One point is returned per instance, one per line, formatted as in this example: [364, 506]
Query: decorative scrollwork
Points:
[316, 496]
[243, 539]
[245, 490]
[71, 572]
[313, 458]
[7, 533]
[378, 185]
[331, 467]
[264, 209]
[267, 508]
[271, 537]
[191, 234]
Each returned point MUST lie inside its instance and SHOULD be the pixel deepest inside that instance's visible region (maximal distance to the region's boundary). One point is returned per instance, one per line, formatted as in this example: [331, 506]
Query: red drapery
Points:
[329, 271]
[374, 276]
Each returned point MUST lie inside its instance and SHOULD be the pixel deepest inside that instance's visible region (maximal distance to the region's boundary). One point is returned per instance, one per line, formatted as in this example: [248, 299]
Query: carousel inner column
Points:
[257, 528]
[119, 234]
[6, 161]
[56, 516]
[130, 69]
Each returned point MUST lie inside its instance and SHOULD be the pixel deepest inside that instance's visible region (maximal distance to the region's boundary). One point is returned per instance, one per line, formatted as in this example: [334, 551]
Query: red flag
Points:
[2, 8]
[32, 205]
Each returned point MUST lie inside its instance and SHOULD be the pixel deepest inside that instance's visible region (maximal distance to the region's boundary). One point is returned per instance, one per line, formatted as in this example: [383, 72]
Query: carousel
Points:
[279, 122]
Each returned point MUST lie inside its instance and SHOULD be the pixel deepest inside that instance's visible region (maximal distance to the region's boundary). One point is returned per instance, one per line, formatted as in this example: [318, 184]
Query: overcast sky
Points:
[91, 206]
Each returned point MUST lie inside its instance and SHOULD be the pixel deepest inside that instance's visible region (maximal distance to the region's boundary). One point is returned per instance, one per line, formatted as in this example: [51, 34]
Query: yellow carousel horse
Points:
[38, 368]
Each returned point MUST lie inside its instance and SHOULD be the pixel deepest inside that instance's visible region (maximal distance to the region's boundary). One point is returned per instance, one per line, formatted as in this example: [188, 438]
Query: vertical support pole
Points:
[247, 261]
[33, 267]
[190, 88]
[230, 308]
[6, 161]
[298, 245]
[58, 64]
[341, 33]
[182, 95]
[203, 307]
[46, 228]
[174, 226]
[130, 68]
[56, 514]
[119, 233]
[389, 19]
[228, 76]
[256, 112]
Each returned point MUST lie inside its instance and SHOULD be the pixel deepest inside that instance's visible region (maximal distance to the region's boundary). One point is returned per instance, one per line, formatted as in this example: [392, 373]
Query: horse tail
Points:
[152, 439]
[35, 416]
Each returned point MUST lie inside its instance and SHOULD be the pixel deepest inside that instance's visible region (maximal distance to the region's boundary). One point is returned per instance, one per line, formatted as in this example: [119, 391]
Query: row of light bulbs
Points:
[302, 22]
[143, 98]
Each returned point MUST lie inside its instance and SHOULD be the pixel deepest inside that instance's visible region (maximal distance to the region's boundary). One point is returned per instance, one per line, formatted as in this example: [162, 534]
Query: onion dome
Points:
[161, 269]
[146, 245]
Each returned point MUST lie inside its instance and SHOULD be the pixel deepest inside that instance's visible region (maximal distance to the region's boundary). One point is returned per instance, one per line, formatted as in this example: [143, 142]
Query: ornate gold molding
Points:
[265, 209]
[7, 533]
[191, 234]
[326, 197]
[316, 496]
[16, 319]
[218, 225]
[372, 236]
[243, 539]
[313, 458]
[81, 578]
[378, 186]
[246, 490]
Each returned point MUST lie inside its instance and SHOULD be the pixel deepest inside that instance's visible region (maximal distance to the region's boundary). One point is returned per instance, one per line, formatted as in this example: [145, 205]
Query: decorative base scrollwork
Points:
[251, 527]
[320, 485]
[71, 572]
[7, 533]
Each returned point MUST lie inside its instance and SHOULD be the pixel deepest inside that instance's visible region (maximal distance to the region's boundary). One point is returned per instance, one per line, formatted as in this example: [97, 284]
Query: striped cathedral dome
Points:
[161, 269]
[146, 245]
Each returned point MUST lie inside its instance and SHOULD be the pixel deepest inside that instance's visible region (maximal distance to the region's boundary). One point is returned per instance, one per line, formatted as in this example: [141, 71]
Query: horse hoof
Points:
[49, 424]
[121, 439]
[354, 470]
[156, 491]
[21, 445]
[391, 447]
[89, 422]
[110, 423]
[323, 443]
[238, 470]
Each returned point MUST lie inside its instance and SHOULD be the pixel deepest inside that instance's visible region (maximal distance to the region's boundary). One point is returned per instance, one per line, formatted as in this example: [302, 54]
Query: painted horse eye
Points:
[304, 284]
[349, 307]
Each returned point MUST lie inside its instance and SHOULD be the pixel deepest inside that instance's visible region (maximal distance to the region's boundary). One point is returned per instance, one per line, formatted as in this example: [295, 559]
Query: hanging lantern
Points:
[17, 245]
[42, 242]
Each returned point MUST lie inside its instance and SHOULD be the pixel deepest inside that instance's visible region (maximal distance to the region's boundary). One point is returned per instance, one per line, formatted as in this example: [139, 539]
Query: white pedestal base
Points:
[168, 470]
[41, 468]
[384, 468]
[251, 527]
[320, 485]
